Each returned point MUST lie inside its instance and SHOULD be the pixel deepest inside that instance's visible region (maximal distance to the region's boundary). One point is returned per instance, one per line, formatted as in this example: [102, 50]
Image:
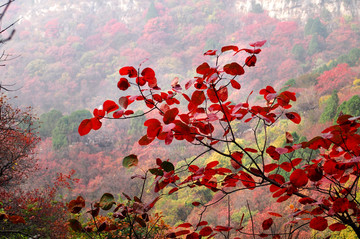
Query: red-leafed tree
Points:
[335, 78]
[323, 184]
[18, 137]
[37, 212]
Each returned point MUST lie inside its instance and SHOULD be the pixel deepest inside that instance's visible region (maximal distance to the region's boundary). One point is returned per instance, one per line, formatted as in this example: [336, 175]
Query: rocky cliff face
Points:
[302, 9]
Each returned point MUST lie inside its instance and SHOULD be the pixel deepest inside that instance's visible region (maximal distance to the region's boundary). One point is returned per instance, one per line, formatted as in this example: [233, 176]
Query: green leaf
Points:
[106, 201]
[156, 171]
[75, 225]
[130, 161]
[167, 166]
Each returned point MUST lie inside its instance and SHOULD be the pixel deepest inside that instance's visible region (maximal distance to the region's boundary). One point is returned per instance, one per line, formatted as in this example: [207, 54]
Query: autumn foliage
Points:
[203, 113]
[18, 140]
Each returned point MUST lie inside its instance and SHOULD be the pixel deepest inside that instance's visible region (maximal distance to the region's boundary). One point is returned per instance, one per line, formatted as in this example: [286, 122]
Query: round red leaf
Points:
[85, 127]
[250, 61]
[234, 69]
[123, 84]
[318, 223]
[298, 178]
[128, 70]
[235, 84]
[203, 68]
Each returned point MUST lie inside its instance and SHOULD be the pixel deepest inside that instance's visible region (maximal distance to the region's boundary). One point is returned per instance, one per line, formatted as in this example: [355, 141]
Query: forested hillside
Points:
[67, 61]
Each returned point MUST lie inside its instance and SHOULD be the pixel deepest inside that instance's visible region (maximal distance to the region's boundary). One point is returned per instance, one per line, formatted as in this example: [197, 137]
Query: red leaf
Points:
[267, 223]
[128, 70]
[237, 156]
[296, 161]
[140, 81]
[193, 235]
[317, 211]
[318, 223]
[195, 204]
[251, 150]
[306, 200]
[118, 114]
[210, 53]
[206, 231]
[203, 68]
[123, 84]
[298, 178]
[294, 117]
[280, 192]
[270, 167]
[275, 214]
[212, 95]
[211, 164]
[286, 166]
[186, 225]
[95, 123]
[258, 43]
[222, 229]
[129, 112]
[317, 142]
[250, 61]
[337, 227]
[229, 48]
[173, 190]
[148, 73]
[110, 106]
[277, 178]
[272, 152]
[235, 84]
[223, 93]
[170, 115]
[198, 97]
[182, 232]
[234, 69]
[247, 180]
[202, 223]
[154, 127]
[85, 127]
[251, 51]
[314, 173]
[283, 198]
[340, 205]
[99, 113]
[145, 140]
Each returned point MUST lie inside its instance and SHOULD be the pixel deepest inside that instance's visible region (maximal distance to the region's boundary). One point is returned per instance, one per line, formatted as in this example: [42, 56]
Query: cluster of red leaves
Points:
[208, 108]
[33, 212]
[18, 137]
[206, 104]
[335, 78]
[337, 166]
